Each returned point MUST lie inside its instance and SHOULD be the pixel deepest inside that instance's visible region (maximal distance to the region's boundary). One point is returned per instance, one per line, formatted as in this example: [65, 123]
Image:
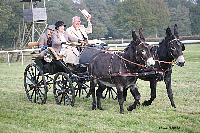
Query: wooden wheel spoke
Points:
[61, 89]
[35, 84]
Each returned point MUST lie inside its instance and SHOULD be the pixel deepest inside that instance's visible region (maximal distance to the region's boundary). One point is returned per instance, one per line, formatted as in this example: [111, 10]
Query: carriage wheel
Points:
[35, 84]
[111, 92]
[63, 89]
[82, 89]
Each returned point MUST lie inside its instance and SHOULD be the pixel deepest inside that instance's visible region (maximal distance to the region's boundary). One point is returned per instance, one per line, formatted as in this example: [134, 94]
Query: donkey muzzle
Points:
[180, 61]
[150, 62]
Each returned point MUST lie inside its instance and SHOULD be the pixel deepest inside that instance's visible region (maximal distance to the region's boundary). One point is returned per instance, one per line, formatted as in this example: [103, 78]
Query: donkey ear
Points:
[141, 34]
[168, 32]
[176, 31]
[134, 36]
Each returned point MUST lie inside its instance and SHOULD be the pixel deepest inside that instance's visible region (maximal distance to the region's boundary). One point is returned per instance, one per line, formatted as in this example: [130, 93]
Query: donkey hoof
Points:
[94, 107]
[146, 103]
[130, 108]
[174, 106]
[121, 112]
[100, 108]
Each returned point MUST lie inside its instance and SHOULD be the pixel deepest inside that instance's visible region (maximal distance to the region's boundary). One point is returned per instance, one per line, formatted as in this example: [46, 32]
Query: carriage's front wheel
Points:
[35, 84]
[63, 89]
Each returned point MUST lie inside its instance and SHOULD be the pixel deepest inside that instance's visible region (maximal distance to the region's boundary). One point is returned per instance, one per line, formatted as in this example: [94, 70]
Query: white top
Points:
[62, 37]
[82, 31]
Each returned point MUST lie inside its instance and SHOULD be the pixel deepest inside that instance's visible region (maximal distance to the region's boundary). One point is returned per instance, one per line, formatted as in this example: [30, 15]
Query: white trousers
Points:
[71, 55]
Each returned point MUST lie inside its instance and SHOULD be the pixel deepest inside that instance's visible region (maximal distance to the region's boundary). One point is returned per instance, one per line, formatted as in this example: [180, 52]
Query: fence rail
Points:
[116, 47]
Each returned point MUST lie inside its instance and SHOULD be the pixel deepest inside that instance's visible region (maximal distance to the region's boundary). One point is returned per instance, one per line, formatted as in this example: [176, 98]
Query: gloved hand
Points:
[43, 48]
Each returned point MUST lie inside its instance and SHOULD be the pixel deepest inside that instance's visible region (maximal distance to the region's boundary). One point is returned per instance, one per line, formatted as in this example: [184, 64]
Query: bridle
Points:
[170, 49]
[170, 52]
[144, 44]
[131, 62]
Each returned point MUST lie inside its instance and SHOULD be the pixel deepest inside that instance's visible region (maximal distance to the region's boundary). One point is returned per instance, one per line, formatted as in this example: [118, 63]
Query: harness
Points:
[126, 74]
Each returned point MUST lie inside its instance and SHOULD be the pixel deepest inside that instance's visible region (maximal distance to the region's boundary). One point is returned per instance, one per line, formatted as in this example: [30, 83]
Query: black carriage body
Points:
[67, 82]
[52, 67]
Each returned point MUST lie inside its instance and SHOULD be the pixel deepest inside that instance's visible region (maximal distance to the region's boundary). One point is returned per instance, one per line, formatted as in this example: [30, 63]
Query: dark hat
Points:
[51, 27]
[59, 23]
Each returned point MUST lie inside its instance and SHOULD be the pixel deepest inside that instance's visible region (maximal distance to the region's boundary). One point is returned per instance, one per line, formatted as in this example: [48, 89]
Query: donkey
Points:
[169, 50]
[119, 70]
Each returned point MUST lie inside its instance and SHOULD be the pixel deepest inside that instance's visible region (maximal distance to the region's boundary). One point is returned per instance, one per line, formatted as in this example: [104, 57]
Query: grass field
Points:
[19, 115]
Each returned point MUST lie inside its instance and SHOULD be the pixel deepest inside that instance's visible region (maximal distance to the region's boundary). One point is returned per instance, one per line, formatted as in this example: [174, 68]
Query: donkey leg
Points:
[92, 89]
[153, 84]
[120, 98]
[100, 90]
[135, 93]
[125, 94]
[168, 83]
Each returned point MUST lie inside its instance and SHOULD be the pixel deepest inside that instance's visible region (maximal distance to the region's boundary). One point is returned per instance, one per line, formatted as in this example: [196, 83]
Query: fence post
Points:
[22, 58]
[8, 60]
[116, 47]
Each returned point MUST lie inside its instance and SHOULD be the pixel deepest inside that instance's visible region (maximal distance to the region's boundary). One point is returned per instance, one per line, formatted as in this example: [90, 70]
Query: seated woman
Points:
[60, 43]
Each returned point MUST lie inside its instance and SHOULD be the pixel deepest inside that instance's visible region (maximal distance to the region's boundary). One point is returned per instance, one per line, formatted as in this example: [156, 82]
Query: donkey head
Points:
[141, 51]
[173, 48]
[176, 50]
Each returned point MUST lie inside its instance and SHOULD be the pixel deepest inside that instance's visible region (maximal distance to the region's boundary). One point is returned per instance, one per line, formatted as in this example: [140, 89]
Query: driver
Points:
[79, 31]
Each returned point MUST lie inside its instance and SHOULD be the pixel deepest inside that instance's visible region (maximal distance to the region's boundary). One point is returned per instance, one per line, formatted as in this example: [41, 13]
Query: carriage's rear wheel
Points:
[82, 89]
[110, 92]
[63, 89]
[35, 84]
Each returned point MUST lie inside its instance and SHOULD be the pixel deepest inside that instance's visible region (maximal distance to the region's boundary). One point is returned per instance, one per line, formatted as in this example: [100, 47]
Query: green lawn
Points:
[17, 114]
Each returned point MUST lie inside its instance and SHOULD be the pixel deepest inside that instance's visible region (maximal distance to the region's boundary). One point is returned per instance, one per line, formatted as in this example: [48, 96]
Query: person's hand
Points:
[81, 42]
[89, 18]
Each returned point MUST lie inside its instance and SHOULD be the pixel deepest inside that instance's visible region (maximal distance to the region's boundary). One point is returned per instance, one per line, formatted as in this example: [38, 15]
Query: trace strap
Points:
[172, 62]
[129, 61]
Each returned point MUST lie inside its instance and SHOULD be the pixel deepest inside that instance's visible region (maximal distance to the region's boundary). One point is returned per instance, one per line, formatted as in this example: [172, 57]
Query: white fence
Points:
[113, 47]
[17, 51]
[118, 46]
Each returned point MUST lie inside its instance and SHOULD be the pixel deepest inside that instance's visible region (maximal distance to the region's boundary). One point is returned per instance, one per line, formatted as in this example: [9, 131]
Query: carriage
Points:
[52, 72]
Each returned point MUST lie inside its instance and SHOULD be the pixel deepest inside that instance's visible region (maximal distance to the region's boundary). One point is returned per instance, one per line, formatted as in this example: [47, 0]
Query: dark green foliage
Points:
[195, 18]
[110, 18]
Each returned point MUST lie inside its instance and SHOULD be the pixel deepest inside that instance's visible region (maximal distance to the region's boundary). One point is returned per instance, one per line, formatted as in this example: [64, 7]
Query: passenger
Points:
[79, 31]
[45, 38]
[60, 43]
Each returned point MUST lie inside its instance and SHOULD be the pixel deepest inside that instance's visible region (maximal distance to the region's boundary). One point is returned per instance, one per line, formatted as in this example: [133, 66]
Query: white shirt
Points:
[82, 31]
[62, 37]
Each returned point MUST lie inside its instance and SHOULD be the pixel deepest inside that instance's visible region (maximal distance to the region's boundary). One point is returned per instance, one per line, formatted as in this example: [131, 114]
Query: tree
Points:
[180, 16]
[161, 16]
[9, 21]
[5, 15]
[152, 15]
[195, 18]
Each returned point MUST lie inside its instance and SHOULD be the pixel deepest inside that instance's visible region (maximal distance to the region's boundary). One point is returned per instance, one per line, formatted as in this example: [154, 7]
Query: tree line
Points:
[110, 18]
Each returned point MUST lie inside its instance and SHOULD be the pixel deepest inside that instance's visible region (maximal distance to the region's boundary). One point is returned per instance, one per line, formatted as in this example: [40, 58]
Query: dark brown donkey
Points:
[119, 70]
[168, 51]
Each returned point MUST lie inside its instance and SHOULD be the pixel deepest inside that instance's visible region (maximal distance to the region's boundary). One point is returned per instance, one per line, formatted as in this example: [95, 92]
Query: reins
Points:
[166, 62]
[129, 61]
